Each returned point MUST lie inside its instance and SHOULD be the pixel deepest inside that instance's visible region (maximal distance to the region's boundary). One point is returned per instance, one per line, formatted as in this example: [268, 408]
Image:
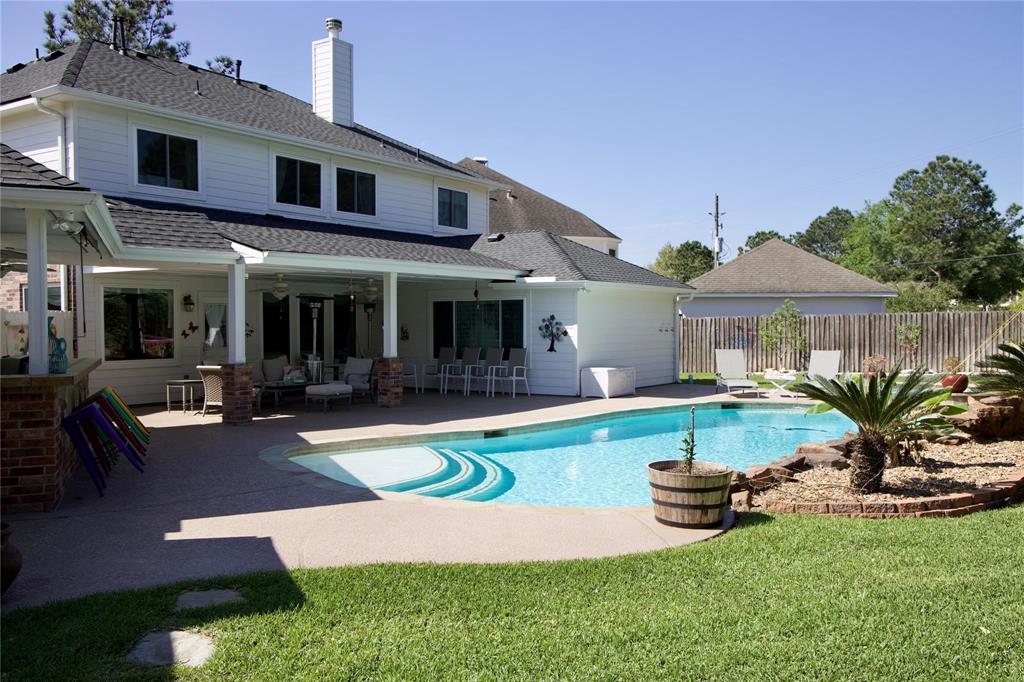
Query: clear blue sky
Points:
[637, 114]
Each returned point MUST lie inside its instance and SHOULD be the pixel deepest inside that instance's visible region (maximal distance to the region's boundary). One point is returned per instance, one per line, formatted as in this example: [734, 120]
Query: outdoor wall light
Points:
[188, 303]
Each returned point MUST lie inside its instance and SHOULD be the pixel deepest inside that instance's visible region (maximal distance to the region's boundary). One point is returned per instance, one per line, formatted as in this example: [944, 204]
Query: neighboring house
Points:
[237, 220]
[518, 208]
[760, 280]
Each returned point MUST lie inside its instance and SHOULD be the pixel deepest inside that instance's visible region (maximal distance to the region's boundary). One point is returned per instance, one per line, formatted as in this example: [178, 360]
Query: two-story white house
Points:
[236, 219]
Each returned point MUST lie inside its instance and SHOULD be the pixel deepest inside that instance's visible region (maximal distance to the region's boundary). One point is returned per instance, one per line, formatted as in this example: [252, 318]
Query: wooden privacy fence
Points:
[969, 336]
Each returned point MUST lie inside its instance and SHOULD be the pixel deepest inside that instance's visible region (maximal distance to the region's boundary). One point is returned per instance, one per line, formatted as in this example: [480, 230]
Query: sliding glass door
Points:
[485, 324]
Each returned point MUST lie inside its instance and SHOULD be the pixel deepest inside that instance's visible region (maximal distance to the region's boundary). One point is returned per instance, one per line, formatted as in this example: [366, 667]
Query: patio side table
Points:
[779, 379]
[182, 384]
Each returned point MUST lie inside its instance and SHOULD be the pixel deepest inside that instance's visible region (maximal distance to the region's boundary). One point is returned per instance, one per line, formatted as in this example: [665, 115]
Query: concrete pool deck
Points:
[208, 505]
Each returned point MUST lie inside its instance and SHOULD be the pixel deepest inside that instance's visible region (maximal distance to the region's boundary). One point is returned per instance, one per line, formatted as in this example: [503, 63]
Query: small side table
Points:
[779, 380]
[183, 384]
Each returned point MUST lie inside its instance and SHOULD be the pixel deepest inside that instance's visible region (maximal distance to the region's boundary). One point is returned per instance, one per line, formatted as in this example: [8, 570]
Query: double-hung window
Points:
[298, 182]
[167, 160]
[357, 192]
[452, 208]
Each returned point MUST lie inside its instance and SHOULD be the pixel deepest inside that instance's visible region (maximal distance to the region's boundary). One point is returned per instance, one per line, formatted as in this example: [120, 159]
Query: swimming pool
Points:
[593, 464]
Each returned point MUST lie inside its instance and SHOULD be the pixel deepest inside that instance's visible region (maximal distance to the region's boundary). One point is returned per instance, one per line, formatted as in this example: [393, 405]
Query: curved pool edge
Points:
[280, 456]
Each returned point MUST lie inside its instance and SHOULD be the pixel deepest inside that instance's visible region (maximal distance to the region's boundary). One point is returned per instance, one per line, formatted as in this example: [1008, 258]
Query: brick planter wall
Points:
[997, 494]
[390, 382]
[237, 398]
[36, 456]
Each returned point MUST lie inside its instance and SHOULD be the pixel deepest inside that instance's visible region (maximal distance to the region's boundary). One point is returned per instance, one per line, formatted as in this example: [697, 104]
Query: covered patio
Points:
[199, 511]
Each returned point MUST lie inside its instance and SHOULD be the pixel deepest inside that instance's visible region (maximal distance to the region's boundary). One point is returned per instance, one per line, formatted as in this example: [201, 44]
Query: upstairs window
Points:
[452, 208]
[357, 192]
[298, 182]
[168, 160]
[613, 253]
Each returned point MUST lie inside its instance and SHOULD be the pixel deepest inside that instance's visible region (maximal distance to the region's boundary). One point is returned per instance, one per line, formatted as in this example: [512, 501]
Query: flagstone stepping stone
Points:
[156, 649]
[198, 599]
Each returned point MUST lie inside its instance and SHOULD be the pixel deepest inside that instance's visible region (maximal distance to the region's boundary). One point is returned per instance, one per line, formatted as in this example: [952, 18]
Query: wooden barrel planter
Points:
[694, 500]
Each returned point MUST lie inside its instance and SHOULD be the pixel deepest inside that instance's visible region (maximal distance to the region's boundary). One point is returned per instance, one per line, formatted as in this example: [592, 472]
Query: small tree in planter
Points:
[688, 493]
[782, 332]
[908, 338]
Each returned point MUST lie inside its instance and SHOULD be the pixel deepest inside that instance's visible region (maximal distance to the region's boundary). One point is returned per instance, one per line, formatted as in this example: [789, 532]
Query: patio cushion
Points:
[273, 368]
[257, 373]
[334, 388]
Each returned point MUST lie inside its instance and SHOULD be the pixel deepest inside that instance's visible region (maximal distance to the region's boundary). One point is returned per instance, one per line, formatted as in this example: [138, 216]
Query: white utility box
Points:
[607, 382]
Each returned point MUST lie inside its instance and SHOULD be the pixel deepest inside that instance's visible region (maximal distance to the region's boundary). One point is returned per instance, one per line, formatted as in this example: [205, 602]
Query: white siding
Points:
[237, 173]
[36, 135]
[816, 305]
[602, 244]
[629, 328]
[552, 373]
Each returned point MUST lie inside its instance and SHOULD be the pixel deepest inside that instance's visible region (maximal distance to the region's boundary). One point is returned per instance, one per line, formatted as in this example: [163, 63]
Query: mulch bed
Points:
[945, 469]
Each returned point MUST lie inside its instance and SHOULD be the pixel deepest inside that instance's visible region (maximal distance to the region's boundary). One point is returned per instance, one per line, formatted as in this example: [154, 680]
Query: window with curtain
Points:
[167, 160]
[357, 192]
[216, 334]
[297, 182]
[138, 324]
[486, 324]
[452, 208]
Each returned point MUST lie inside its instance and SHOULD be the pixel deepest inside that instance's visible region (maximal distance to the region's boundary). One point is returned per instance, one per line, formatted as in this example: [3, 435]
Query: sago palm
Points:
[1009, 362]
[885, 410]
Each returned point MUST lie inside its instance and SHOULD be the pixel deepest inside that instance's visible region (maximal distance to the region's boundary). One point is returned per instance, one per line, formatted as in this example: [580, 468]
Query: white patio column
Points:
[38, 334]
[236, 313]
[390, 341]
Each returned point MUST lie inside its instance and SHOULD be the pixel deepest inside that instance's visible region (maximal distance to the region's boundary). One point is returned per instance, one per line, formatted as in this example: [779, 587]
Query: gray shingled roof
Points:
[93, 66]
[18, 170]
[527, 210]
[548, 255]
[777, 267]
[157, 224]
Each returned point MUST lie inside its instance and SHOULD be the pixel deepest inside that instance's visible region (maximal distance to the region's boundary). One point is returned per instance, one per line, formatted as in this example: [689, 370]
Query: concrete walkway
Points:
[208, 505]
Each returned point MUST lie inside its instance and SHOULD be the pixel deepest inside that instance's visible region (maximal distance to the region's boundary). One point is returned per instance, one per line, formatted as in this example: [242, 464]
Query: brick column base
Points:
[390, 382]
[36, 455]
[237, 407]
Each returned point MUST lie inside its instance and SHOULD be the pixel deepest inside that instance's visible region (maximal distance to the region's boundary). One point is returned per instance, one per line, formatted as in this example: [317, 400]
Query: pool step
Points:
[465, 476]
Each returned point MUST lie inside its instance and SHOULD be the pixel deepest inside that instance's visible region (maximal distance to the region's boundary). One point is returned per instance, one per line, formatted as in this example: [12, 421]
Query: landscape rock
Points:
[197, 599]
[830, 460]
[157, 649]
[817, 449]
[793, 462]
[992, 416]
[767, 476]
[742, 501]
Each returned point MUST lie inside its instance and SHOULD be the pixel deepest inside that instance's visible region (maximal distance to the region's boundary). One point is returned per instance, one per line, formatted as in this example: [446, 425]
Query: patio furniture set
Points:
[273, 378]
[486, 373]
[731, 374]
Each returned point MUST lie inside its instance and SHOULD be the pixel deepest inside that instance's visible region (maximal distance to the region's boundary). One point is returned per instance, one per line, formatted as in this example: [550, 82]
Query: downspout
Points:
[63, 132]
[679, 300]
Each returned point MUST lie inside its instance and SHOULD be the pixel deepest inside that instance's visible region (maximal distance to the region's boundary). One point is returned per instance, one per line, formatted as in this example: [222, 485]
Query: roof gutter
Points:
[77, 93]
[791, 294]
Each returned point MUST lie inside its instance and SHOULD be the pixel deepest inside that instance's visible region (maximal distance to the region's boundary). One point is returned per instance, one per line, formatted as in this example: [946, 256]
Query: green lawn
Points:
[778, 598]
[708, 378]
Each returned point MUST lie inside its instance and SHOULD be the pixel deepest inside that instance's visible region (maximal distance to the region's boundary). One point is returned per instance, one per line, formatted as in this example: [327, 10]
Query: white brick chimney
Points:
[332, 76]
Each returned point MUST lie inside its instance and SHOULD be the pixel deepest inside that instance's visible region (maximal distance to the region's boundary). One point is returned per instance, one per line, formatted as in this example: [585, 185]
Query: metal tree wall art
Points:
[552, 330]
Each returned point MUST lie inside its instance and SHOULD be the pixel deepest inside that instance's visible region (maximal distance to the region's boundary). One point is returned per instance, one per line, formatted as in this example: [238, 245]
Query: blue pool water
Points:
[597, 464]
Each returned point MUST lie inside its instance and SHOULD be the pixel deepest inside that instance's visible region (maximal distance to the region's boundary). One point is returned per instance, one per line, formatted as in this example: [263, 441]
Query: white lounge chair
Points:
[824, 363]
[731, 372]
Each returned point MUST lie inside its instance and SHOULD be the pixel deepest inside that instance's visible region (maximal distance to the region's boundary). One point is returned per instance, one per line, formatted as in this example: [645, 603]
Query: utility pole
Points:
[716, 234]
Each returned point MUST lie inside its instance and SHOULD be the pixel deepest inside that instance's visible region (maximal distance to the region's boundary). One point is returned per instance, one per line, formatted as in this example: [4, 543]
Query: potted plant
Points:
[688, 493]
[955, 381]
[873, 365]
